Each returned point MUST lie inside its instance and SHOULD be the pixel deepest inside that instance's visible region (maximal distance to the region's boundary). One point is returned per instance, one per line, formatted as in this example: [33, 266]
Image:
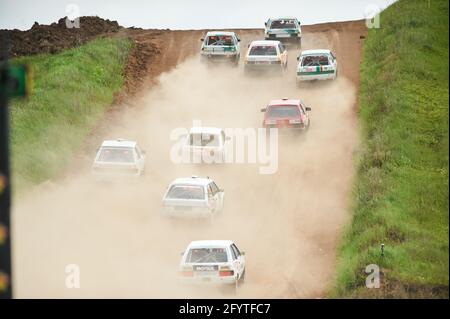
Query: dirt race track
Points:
[288, 223]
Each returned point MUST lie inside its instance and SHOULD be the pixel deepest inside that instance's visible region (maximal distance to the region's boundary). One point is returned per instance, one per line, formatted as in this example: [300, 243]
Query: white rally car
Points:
[283, 29]
[221, 45]
[266, 55]
[213, 261]
[205, 145]
[118, 158]
[316, 65]
[193, 197]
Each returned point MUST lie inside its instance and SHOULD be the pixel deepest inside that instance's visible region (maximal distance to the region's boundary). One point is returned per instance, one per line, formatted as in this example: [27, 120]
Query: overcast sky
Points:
[185, 14]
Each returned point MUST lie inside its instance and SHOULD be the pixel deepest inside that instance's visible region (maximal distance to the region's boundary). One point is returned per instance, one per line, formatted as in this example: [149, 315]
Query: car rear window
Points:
[315, 60]
[207, 255]
[186, 192]
[219, 40]
[116, 155]
[283, 24]
[263, 50]
[204, 139]
[283, 111]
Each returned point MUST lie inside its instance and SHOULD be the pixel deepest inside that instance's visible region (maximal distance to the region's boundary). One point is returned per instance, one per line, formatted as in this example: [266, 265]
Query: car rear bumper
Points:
[187, 212]
[111, 177]
[220, 59]
[219, 55]
[263, 67]
[287, 130]
[204, 155]
[209, 280]
[283, 36]
[316, 76]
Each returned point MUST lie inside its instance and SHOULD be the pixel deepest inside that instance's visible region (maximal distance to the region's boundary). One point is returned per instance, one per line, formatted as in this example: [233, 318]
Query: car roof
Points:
[318, 51]
[119, 143]
[265, 42]
[213, 33]
[207, 130]
[193, 180]
[284, 102]
[210, 243]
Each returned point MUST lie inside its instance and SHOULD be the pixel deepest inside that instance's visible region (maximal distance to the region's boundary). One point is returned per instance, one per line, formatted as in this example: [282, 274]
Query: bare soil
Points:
[55, 37]
[288, 223]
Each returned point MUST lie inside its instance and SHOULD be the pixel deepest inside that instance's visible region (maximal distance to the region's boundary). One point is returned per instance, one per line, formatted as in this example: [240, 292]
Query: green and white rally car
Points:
[283, 29]
[221, 45]
[316, 65]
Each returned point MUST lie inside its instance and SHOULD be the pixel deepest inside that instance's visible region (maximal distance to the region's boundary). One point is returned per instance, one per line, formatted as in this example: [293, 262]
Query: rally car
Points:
[316, 65]
[205, 145]
[118, 158]
[283, 29]
[221, 45]
[286, 114]
[213, 261]
[266, 55]
[193, 197]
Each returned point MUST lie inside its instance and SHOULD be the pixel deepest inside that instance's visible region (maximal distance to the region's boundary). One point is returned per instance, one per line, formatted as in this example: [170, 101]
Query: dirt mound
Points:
[56, 36]
[137, 67]
[59, 36]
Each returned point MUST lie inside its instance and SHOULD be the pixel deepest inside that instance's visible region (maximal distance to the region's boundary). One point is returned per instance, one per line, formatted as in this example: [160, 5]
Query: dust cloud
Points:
[287, 223]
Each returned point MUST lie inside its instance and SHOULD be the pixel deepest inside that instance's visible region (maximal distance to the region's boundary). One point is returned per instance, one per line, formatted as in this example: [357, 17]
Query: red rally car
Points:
[286, 113]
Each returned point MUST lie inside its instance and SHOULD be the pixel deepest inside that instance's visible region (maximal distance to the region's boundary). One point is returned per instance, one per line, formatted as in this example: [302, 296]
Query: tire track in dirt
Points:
[288, 223]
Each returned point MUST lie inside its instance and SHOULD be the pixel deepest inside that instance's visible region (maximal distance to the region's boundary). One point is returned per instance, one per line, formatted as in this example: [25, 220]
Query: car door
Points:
[139, 161]
[240, 261]
[299, 28]
[304, 114]
[141, 158]
[238, 45]
[212, 200]
[235, 261]
[333, 61]
[283, 53]
[219, 196]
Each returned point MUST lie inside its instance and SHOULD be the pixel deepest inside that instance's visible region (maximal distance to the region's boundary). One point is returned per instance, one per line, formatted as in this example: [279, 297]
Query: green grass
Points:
[401, 189]
[72, 89]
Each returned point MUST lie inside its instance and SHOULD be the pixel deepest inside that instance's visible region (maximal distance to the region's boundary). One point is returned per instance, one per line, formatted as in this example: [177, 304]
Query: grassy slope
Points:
[401, 192]
[71, 91]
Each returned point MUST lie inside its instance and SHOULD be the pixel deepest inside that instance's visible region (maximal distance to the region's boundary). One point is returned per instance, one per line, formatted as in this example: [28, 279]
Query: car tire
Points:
[236, 60]
[242, 279]
[236, 285]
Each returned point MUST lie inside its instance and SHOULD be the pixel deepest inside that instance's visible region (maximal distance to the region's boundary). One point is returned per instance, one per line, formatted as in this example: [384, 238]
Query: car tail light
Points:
[225, 273]
[295, 121]
[187, 273]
